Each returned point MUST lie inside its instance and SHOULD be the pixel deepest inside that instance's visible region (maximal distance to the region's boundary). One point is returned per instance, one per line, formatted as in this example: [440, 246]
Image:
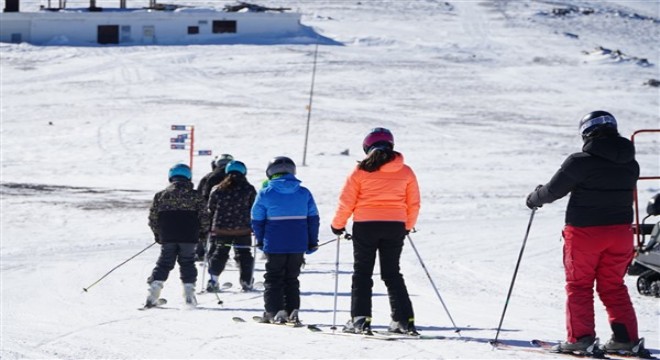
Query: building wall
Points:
[136, 27]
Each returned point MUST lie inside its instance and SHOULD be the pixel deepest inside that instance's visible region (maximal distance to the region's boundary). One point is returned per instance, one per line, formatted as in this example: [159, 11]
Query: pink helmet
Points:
[375, 136]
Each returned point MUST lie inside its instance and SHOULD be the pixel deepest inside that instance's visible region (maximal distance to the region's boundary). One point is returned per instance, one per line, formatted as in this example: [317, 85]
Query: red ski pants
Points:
[601, 254]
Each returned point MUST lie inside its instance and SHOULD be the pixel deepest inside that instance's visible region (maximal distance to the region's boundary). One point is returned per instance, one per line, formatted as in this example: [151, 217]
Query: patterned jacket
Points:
[285, 219]
[230, 208]
[178, 214]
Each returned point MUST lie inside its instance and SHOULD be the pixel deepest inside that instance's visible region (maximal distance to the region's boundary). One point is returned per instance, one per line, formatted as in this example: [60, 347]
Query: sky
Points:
[483, 99]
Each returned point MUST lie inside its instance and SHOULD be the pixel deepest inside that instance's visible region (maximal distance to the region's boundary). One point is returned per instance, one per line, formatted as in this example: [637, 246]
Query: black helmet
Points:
[223, 160]
[594, 121]
[279, 165]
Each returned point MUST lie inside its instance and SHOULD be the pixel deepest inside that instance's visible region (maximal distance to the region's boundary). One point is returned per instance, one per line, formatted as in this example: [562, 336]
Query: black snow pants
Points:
[243, 255]
[385, 238]
[170, 253]
[281, 285]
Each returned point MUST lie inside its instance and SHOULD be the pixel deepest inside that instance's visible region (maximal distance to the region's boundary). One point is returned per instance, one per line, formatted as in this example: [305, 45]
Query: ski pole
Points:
[334, 310]
[116, 267]
[206, 259]
[324, 243]
[458, 331]
[513, 280]
[254, 262]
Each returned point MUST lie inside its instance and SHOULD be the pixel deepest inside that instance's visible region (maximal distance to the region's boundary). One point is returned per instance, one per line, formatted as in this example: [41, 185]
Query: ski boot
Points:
[403, 327]
[586, 345]
[358, 325]
[293, 317]
[633, 348]
[155, 287]
[189, 294]
[212, 286]
[281, 317]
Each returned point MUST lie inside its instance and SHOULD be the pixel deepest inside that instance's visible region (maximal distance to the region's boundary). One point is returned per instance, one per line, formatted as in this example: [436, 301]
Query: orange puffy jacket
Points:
[389, 194]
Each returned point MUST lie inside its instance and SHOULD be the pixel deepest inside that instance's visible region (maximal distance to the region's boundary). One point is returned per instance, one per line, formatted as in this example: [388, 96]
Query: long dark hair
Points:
[376, 158]
[233, 179]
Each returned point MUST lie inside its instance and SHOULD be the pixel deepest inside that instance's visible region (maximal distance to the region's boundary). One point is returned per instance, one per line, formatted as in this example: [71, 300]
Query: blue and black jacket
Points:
[285, 219]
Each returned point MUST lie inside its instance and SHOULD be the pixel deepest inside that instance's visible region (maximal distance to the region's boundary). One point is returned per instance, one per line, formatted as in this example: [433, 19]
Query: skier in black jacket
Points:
[598, 237]
[230, 204]
[177, 216]
[204, 187]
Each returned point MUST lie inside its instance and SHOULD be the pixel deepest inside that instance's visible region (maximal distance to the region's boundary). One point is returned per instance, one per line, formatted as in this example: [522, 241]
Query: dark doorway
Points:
[108, 34]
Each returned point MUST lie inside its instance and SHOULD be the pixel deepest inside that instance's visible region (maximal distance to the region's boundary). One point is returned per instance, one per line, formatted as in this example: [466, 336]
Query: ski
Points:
[592, 351]
[401, 336]
[369, 336]
[223, 287]
[637, 352]
[159, 303]
[259, 319]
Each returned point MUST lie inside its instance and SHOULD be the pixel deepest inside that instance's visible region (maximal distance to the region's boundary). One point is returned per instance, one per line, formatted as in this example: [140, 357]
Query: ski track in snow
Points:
[483, 99]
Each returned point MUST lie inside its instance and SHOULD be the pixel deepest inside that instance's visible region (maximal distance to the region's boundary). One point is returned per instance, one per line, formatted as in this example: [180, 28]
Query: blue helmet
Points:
[236, 166]
[179, 170]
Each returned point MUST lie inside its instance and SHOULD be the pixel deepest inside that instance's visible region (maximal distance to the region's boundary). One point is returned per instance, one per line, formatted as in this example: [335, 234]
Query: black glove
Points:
[260, 246]
[157, 238]
[531, 204]
[337, 231]
[311, 248]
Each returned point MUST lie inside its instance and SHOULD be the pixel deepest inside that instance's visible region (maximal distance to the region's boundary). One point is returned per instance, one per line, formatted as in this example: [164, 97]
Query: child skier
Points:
[285, 222]
[230, 203]
[176, 217]
[382, 195]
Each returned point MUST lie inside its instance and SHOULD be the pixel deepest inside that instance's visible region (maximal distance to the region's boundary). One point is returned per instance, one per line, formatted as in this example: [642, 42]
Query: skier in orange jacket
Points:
[382, 195]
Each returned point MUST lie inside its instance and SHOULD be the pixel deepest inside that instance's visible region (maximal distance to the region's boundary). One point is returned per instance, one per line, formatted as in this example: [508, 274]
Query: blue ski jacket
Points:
[285, 219]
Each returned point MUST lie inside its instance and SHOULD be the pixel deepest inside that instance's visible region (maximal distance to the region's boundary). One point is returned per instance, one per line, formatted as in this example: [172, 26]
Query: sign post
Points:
[187, 141]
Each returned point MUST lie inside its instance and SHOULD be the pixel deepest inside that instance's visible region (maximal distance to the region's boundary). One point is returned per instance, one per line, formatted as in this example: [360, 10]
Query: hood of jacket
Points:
[616, 149]
[285, 184]
[395, 165]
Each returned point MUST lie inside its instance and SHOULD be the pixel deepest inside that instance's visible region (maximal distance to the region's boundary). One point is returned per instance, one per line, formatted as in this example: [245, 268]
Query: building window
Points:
[224, 26]
[193, 30]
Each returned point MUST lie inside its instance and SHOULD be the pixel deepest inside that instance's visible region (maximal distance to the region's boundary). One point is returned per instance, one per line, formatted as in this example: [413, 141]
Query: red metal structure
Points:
[635, 198]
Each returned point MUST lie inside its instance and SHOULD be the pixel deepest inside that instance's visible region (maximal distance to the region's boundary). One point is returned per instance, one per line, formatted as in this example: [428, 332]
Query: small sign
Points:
[179, 127]
[177, 147]
[204, 152]
[177, 140]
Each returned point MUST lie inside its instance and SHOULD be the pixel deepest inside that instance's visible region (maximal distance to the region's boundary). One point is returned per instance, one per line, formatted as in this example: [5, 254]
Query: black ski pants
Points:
[281, 285]
[384, 238]
[170, 254]
[243, 255]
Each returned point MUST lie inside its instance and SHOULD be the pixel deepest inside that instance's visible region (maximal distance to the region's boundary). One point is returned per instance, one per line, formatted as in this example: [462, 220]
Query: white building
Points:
[156, 24]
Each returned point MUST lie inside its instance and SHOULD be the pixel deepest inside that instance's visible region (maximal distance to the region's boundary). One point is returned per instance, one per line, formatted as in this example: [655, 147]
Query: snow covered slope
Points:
[483, 99]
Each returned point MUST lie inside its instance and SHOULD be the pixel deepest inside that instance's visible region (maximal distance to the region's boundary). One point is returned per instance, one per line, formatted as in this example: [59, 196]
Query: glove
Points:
[311, 248]
[530, 204]
[407, 232]
[337, 231]
[260, 246]
[157, 238]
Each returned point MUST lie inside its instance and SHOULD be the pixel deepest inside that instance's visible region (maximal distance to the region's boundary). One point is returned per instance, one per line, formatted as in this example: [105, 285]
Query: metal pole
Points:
[192, 145]
[309, 106]
[334, 309]
[513, 280]
[433, 285]
[116, 267]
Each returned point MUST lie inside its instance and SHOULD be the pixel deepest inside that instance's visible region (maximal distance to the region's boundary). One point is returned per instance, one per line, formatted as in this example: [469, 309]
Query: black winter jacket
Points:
[230, 208]
[178, 214]
[601, 180]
